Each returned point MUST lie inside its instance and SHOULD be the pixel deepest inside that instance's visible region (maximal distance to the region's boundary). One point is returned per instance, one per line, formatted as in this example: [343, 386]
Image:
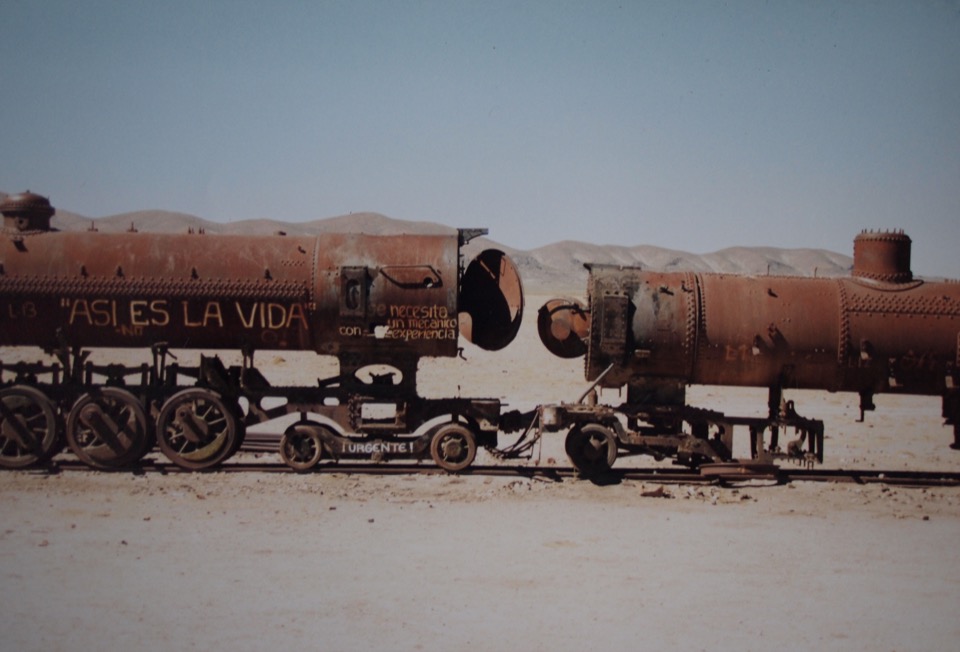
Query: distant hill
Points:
[554, 268]
[168, 222]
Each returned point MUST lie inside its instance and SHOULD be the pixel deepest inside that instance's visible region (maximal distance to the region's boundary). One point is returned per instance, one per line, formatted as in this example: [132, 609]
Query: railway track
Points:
[730, 474]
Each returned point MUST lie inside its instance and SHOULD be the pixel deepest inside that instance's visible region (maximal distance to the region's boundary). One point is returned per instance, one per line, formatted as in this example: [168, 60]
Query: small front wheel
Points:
[301, 446]
[592, 449]
[453, 447]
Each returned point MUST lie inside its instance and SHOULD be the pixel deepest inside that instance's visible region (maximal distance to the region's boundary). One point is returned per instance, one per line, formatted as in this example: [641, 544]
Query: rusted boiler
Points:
[342, 294]
[879, 330]
[377, 303]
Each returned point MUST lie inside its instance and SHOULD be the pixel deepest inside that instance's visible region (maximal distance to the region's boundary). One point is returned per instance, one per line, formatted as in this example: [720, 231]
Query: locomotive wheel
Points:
[29, 427]
[108, 429]
[197, 429]
[592, 449]
[453, 447]
[301, 446]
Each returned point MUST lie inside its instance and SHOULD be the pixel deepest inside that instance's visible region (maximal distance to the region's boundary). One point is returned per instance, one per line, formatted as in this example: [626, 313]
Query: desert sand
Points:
[330, 561]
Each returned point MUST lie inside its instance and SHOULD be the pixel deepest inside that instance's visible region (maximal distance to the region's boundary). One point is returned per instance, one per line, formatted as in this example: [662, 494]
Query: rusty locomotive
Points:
[378, 304]
[655, 333]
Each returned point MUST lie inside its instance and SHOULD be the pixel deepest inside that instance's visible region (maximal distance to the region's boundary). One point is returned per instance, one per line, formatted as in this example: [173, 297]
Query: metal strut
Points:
[522, 445]
[594, 384]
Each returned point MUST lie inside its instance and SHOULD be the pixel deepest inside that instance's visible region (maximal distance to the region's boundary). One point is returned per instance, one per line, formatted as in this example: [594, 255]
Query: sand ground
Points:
[330, 561]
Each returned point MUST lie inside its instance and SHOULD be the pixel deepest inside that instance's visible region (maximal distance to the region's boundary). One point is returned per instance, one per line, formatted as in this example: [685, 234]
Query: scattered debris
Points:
[659, 492]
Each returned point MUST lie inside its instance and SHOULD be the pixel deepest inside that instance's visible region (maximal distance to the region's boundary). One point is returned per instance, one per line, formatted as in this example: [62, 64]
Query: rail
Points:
[664, 475]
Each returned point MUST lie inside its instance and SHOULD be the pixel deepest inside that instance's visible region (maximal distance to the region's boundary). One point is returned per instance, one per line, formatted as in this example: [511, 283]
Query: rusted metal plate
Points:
[757, 330]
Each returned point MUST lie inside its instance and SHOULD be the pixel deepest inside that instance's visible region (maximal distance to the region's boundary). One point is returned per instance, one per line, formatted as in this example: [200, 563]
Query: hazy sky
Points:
[683, 124]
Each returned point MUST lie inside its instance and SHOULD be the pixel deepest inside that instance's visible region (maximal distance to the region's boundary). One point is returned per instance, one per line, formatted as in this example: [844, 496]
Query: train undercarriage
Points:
[699, 438]
[110, 416]
[598, 434]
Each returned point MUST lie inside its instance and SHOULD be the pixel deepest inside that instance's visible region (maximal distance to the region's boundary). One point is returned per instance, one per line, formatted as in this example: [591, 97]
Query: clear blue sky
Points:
[684, 124]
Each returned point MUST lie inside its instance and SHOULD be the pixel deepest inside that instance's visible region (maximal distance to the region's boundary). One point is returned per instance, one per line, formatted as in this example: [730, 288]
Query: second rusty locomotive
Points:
[881, 330]
[378, 304]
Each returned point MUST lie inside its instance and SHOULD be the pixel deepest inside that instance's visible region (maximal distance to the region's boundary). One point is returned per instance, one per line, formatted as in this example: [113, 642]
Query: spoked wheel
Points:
[453, 447]
[108, 429]
[592, 449]
[301, 446]
[29, 427]
[197, 429]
